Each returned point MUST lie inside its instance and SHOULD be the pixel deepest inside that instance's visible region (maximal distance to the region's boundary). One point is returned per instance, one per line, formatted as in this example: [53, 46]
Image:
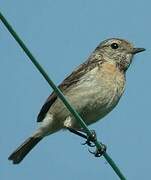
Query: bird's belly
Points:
[95, 103]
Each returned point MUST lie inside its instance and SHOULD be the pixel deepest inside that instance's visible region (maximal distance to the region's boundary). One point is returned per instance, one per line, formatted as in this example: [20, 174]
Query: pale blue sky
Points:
[61, 35]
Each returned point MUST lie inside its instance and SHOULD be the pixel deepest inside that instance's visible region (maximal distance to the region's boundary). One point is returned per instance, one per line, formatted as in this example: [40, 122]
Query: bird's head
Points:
[118, 51]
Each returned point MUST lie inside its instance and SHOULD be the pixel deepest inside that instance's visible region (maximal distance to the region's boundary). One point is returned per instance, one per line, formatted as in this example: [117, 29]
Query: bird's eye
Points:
[114, 45]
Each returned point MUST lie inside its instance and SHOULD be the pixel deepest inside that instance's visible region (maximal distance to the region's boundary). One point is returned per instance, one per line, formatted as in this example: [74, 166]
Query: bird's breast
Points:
[99, 91]
[114, 82]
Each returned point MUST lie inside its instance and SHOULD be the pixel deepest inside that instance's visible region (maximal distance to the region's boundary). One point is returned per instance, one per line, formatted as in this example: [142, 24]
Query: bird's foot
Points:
[90, 139]
[99, 152]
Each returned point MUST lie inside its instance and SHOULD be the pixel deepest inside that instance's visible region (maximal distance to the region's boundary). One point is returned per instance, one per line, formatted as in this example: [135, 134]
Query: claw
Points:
[89, 143]
[90, 139]
[98, 152]
[93, 137]
[92, 152]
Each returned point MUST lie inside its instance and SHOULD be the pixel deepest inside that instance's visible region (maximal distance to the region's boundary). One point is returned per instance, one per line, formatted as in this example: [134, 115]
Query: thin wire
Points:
[60, 94]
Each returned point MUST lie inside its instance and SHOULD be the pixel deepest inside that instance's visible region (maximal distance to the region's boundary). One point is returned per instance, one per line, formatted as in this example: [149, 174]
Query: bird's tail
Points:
[18, 155]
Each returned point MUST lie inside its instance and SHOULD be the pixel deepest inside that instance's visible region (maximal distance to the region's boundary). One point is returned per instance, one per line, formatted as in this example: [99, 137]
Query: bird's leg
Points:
[77, 132]
[89, 140]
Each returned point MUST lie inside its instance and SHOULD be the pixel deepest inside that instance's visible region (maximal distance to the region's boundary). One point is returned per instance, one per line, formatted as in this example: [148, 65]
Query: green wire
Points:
[60, 94]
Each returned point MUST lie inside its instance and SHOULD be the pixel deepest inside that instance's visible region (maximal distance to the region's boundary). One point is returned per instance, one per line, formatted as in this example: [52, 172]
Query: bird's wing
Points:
[72, 79]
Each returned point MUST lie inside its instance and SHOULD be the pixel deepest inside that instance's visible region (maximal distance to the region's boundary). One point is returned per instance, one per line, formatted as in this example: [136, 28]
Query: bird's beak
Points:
[137, 50]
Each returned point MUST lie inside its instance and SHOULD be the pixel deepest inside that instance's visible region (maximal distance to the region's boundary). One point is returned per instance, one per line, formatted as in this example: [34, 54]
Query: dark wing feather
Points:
[50, 100]
[73, 78]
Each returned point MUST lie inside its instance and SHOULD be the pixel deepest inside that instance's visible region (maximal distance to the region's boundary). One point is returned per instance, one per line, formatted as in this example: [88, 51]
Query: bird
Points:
[94, 88]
